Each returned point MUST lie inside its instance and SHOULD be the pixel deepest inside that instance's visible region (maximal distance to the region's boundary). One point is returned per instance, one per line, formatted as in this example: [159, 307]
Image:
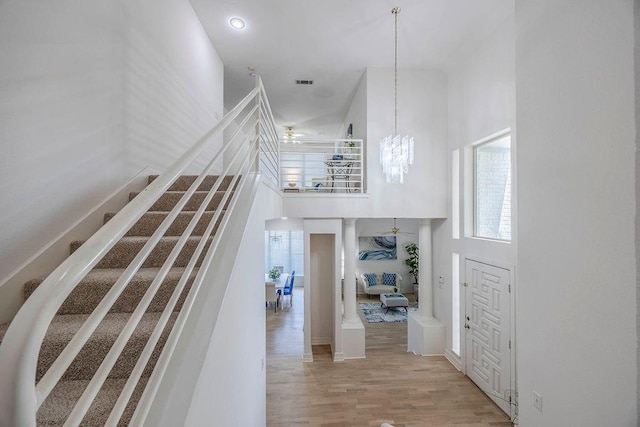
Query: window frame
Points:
[472, 212]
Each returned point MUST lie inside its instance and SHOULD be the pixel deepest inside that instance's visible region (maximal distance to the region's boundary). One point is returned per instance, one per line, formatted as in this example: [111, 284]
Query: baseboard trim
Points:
[453, 358]
[355, 357]
[47, 259]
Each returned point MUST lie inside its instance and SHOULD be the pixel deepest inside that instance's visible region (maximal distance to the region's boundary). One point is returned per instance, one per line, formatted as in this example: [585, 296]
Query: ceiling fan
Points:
[395, 230]
[290, 135]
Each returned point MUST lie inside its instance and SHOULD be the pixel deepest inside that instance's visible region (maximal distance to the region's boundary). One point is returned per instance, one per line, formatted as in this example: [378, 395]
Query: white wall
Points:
[422, 113]
[576, 263]
[422, 98]
[636, 20]
[92, 93]
[231, 390]
[374, 227]
[322, 281]
[357, 117]
[481, 102]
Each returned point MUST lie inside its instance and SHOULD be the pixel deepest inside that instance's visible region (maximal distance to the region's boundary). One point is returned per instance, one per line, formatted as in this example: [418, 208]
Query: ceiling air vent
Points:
[304, 82]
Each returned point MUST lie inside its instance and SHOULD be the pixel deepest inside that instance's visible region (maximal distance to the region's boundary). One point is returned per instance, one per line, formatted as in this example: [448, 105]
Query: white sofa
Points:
[379, 287]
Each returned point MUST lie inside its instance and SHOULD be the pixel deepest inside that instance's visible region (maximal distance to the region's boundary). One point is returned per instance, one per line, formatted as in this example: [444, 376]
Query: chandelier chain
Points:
[396, 151]
[395, 11]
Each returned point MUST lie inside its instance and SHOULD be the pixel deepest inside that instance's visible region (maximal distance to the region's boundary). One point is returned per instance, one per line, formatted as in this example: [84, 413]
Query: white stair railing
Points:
[321, 166]
[252, 148]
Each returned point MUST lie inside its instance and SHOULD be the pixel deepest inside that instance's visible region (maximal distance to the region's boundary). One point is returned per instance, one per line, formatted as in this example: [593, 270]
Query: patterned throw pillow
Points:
[389, 279]
[372, 280]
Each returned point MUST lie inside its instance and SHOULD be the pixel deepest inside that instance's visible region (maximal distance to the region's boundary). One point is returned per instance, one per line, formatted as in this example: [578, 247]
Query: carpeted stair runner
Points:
[88, 294]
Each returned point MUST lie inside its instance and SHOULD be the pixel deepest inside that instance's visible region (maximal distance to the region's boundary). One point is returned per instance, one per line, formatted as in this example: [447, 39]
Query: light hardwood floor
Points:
[390, 385]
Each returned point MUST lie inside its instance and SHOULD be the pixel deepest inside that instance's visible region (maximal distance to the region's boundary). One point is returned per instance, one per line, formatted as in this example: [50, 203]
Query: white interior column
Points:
[349, 288]
[425, 333]
[353, 333]
[425, 269]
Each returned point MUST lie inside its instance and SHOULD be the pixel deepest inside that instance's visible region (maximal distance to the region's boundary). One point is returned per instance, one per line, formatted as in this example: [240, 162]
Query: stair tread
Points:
[127, 248]
[91, 289]
[150, 221]
[143, 239]
[143, 274]
[184, 182]
[182, 192]
[169, 199]
[163, 213]
[112, 274]
[57, 407]
[65, 326]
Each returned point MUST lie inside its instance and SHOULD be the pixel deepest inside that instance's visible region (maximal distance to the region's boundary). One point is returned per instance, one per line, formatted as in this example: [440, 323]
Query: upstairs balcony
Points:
[322, 166]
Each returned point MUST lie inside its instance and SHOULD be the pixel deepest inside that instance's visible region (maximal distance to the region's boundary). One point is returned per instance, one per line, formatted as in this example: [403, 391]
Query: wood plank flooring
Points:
[390, 385]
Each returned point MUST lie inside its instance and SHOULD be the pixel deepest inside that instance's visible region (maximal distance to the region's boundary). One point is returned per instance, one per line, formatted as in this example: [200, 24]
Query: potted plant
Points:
[274, 273]
[412, 261]
[349, 146]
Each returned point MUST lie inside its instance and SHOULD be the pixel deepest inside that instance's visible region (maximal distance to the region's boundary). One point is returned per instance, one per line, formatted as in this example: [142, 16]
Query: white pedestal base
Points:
[425, 336]
[353, 339]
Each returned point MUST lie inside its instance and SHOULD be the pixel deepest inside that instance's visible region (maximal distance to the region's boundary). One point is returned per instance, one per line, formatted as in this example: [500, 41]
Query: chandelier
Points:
[396, 150]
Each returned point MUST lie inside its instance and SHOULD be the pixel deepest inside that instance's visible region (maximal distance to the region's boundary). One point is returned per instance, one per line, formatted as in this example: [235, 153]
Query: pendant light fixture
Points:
[396, 150]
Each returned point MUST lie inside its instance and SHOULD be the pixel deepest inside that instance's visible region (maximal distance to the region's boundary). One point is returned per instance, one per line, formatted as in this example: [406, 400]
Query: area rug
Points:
[376, 314]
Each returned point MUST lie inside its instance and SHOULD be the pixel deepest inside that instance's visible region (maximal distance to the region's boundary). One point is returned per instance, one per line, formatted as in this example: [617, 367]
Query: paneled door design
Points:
[488, 330]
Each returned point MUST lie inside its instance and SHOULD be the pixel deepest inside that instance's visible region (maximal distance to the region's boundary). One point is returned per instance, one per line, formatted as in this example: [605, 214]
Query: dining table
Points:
[279, 282]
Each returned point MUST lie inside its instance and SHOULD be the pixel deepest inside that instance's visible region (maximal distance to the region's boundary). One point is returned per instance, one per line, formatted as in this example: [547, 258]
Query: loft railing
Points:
[251, 148]
[321, 166]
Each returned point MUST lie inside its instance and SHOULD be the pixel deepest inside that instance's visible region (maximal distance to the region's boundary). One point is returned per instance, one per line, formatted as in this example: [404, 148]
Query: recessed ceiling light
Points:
[237, 23]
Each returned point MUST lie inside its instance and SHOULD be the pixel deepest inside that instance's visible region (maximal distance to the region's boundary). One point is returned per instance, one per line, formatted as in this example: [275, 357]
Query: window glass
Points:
[455, 303]
[284, 248]
[455, 194]
[492, 185]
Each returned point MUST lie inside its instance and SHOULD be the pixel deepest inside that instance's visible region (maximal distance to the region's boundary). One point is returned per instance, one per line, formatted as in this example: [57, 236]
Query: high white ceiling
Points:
[332, 42]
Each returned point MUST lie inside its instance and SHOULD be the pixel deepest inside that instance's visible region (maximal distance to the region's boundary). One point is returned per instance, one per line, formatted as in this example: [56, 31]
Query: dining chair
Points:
[270, 296]
[287, 289]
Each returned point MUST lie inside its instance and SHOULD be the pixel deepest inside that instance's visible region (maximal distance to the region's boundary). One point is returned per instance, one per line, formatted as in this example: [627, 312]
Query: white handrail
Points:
[19, 398]
[149, 347]
[110, 359]
[322, 165]
[144, 405]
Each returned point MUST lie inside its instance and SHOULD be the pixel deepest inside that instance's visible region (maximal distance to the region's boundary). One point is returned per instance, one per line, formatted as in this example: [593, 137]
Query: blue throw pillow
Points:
[389, 279]
[338, 157]
[372, 280]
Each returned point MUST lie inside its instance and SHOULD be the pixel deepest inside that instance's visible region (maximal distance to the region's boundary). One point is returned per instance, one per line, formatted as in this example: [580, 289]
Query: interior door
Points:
[488, 330]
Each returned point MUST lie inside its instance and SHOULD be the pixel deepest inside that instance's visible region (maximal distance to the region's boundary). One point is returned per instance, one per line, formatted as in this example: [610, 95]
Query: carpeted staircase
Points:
[95, 285]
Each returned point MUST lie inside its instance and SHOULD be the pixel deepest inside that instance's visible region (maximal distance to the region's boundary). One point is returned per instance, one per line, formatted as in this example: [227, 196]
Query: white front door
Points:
[488, 330]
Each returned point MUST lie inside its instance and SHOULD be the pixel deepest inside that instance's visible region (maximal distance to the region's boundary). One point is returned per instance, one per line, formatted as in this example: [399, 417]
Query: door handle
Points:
[466, 325]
